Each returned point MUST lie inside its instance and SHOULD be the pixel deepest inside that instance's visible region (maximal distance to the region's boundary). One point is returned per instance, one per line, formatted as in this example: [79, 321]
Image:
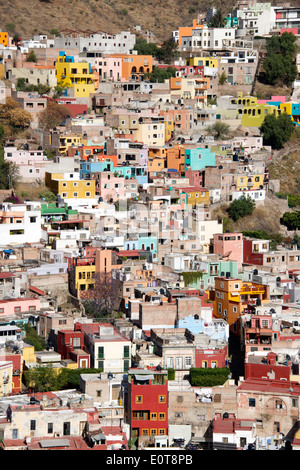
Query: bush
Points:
[241, 207]
[47, 196]
[291, 220]
[171, 374]
[276, 131]
[208, 377]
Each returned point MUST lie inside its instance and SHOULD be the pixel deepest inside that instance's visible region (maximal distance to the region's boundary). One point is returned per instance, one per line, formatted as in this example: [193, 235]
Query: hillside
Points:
[111, 16]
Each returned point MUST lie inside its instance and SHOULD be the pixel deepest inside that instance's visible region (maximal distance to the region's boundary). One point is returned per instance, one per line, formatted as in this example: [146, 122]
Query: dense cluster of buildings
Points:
[136, 180]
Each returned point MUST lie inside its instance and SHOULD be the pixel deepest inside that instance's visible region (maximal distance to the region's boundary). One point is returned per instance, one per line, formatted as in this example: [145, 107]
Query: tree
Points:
[47, 196]
[276, 131]
[159, 75]
[241, 207]
[220, 130]
[19, 119]
[41, 378]
[52, 116]
[217, 20]
[105, 298]
[280, 64]
[31, 57]
[145, 48]
[222, 78]
[168, 52]
[291, 220]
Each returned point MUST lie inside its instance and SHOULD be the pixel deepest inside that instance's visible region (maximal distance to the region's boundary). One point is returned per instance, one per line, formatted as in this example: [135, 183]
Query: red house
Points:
[16, 359]
[211, 358]
[70, 344]
[147, 404]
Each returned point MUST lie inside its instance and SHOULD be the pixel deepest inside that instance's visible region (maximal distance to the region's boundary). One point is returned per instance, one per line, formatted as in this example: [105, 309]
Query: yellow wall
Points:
[250, 181]
[58, 185]
[198, 197]
[84, 276]
[75, 75]
[205, 61]
[254, 115]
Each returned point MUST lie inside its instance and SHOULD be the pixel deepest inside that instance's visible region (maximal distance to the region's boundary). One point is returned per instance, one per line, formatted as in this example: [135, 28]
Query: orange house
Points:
[175, 157]
[231, 298]
[135, 66]
[187, 31]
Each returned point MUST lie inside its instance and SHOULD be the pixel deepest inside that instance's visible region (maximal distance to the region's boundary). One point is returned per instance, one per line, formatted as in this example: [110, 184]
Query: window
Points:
[162, 416]
[252, 402]
[294, 402]
[15, 433]
[162, 432]
[101, 352]
[179, 399]
[153, 416]
[17, 309]
[139, 399]
[162, 399]
[67, 428]
[50, 428]
[126, 351]
[145, 432]
[32, 425]
[276, 426]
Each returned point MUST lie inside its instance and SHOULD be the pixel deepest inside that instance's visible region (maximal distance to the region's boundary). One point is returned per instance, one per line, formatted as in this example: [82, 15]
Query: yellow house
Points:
[69, 140]
[28, 354]
[203, 61]
[254, 115]
[68, 188]
[75, 75]
[84, 278]
[249, 181]
[169, 130]
[199, 196]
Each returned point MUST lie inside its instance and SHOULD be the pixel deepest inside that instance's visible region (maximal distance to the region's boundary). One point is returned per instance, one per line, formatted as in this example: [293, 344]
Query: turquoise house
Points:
[199, 158]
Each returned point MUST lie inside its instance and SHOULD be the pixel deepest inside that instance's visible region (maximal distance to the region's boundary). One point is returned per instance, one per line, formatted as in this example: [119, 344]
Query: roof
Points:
[36, 290]
[128, 253]
[6, 275]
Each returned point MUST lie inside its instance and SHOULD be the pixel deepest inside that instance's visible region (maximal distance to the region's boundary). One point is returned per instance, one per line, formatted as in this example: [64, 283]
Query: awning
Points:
[36, 290]
[8, 251]
[144, 377]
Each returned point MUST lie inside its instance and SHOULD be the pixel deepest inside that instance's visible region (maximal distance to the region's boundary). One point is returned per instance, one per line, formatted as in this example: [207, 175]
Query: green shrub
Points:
[208, 377]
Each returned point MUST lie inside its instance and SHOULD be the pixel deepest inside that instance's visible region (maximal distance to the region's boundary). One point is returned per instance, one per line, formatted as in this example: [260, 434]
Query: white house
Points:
[20, 223]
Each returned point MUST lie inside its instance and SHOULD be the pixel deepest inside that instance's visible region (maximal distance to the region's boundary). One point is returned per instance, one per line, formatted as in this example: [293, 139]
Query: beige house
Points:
[6, 373]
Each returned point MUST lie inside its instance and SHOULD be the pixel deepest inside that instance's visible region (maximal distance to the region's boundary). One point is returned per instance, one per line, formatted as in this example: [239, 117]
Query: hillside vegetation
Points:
[111, 16]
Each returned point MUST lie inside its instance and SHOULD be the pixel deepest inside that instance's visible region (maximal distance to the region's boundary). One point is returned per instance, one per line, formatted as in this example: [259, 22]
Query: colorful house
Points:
[231, 298]
[199, 158]
[203, 61]
[147, 404]
[4, 38]
[195, 196]
[81, 275]
[68, 187]
[134, 67]
[73, 75]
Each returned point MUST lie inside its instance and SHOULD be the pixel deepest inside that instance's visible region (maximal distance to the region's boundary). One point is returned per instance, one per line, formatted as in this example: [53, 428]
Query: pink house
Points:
[108, 67]
[11, 307]
[229, 246]
[109, 186]
[31, 163]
